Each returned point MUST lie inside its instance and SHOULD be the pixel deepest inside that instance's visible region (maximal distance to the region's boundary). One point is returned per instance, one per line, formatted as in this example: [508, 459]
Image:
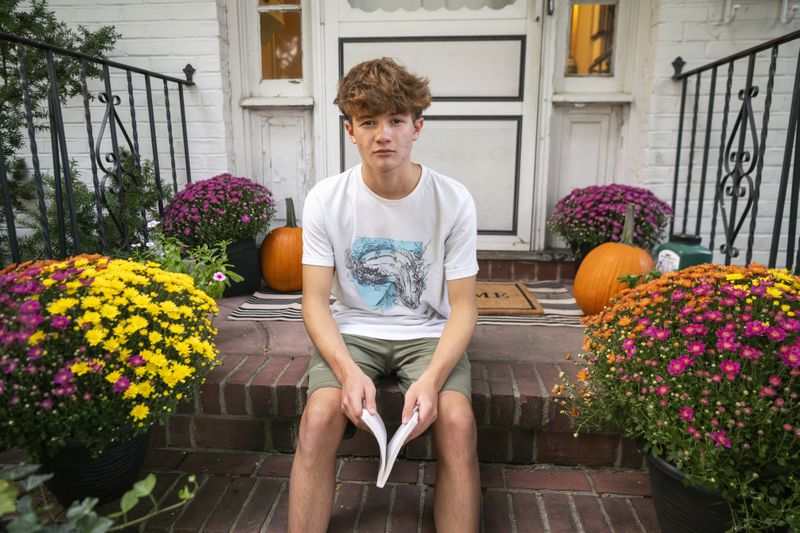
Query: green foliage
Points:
[19, 514]
[35, 21]
[207, 265]
[632, 280]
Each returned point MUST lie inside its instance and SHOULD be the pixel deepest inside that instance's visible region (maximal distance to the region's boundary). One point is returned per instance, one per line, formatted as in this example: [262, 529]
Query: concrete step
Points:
[254, 400]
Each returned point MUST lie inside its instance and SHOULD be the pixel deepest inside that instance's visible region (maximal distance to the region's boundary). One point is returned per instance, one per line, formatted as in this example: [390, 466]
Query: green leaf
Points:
[92, 523]
[27, 523]
[8, 497]
[129, 501]
[34, 480]
[79, 509]
[145, 486]
[19, 472]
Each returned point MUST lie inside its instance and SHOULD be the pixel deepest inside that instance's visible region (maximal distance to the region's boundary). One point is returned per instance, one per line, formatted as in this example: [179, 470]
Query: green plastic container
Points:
[682, 250]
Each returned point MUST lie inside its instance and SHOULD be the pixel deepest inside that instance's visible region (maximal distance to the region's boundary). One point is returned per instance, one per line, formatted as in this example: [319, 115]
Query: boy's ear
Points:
[418, 123]
[349, 129]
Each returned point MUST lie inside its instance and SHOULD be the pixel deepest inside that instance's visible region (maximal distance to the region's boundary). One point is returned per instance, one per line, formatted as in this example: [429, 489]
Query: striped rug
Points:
[557, 302]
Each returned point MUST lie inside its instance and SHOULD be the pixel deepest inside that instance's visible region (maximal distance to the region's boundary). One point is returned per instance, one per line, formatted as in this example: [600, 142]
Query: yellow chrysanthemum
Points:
[183, 348]
[113, 376]
[135, 323]
[775, 293]
[73, 286]
[91, 302]
[109, 311]
[145, 389]
[140, 411]
[111, 344]
[177, 329]
[80, 368]
[96, 335]
[155, 337]
[60, 306]
[156, 359]
[36, 337]
[131, 391]
[91, 317]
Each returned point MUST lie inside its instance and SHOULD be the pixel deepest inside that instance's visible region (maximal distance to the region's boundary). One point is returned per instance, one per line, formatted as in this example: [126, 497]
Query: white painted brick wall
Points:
[162, 36]
[695, 31]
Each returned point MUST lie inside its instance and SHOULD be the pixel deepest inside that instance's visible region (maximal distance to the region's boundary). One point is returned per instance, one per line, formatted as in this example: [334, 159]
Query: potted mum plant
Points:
[222, 208]
[702, 367]
[94, 352]
[590, 216]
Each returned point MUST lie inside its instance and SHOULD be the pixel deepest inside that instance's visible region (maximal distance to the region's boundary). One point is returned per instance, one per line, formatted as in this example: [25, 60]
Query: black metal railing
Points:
[747, 156]
[111, 178]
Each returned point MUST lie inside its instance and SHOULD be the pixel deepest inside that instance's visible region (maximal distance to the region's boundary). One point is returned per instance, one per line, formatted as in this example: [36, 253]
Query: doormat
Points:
[506, 298]
[558, 307]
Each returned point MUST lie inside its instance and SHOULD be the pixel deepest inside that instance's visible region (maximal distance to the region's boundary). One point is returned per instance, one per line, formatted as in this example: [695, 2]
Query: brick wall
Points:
[695, 31]
[162, 36]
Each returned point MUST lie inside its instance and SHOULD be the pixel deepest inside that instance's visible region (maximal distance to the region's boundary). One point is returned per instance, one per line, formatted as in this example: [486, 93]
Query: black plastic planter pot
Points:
[243, 255]
[682, 508]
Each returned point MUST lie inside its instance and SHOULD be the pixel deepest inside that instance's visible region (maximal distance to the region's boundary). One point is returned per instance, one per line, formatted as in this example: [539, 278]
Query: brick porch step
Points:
[253, 402]
[248, 491]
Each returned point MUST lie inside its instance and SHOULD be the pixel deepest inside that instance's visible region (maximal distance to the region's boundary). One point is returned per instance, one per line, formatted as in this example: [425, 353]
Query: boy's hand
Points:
[423, 394]
[358, 393]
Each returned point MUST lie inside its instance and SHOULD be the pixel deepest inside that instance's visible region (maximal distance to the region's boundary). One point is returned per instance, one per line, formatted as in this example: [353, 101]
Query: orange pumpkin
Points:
[281, 254]
[596, 281]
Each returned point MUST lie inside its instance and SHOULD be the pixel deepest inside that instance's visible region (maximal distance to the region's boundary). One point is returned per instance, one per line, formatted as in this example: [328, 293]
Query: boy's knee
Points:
[322, 421]
[457, 426]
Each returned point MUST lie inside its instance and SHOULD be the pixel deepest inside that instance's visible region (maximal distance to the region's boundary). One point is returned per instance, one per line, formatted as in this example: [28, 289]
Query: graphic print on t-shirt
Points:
[387, 272]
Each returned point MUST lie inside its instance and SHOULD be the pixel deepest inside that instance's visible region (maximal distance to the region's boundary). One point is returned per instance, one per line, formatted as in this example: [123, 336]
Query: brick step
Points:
[248, 491]
[254, 403]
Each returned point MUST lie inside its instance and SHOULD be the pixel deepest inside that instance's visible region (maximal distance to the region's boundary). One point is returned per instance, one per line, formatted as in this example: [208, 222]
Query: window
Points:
[280, 29]
[591, 39]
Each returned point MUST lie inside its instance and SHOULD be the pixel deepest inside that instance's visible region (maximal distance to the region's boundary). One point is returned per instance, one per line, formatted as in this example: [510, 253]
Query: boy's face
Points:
[384, 141]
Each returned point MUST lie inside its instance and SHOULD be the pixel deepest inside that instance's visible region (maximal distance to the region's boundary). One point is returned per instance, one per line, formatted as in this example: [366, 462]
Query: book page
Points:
[378, 429]
[395, 445]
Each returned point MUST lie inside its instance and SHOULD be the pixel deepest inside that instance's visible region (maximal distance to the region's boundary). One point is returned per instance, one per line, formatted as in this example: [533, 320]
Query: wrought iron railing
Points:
[112, 180]
[747, 156]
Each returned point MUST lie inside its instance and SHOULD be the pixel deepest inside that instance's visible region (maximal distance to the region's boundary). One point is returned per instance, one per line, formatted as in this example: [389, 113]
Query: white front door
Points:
[483, 61]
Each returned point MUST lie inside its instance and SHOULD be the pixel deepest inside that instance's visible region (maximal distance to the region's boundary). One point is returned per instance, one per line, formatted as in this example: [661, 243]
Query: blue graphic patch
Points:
[387, 272]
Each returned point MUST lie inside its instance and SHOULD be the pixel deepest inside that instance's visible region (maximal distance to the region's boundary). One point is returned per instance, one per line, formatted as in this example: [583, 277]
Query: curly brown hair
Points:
[382, 86]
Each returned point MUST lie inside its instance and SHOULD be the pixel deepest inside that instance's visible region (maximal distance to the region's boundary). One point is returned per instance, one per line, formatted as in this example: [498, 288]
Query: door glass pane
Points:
[591, 40]
[281, 45]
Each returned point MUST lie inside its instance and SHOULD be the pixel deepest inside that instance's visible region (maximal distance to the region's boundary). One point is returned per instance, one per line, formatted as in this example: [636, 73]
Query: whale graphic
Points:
[387, 272]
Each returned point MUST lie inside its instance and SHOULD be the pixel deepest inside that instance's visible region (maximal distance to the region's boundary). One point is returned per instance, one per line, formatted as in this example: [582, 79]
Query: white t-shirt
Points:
[391, 257]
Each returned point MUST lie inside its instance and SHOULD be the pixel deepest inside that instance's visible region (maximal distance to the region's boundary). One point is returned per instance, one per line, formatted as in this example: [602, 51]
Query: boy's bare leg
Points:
[313, 480]
[458, 485]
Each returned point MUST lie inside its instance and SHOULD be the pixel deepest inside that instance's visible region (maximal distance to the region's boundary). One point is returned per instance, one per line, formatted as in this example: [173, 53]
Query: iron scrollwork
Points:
[738, 183]
[117, 178]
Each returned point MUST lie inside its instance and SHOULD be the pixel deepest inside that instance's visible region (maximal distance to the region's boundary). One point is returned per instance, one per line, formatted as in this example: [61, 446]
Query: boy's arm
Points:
[357, 388]
[453, 343]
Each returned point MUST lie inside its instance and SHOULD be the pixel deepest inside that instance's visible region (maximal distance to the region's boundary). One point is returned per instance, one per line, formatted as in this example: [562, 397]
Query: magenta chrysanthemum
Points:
[593, 215]
[221, 208]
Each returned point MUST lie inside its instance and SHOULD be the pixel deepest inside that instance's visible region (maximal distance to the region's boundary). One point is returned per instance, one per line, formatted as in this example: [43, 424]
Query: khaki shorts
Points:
[408, 359]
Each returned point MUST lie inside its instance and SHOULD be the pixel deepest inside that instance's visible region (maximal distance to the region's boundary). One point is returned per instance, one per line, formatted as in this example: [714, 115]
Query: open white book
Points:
[389, 450]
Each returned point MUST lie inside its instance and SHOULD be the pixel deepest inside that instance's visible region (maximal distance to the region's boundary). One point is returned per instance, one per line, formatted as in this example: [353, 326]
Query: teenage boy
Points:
[396, 242]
